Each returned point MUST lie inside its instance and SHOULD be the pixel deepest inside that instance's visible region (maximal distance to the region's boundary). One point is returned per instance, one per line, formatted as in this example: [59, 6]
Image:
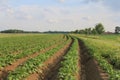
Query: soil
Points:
[5, 71]
[90, 70]
[88, 66]
[51, 66]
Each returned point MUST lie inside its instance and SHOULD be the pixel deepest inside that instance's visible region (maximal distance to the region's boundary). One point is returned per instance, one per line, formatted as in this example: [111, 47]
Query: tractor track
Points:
[90, 70]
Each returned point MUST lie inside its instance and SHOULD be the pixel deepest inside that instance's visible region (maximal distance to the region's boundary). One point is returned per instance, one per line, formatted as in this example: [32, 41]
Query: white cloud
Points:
[52, 21]
[41, 18]
[62, 1]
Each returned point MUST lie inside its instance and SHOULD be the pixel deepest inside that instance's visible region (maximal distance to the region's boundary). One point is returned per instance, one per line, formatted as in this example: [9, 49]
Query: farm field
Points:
[105, 49]
[59, 57]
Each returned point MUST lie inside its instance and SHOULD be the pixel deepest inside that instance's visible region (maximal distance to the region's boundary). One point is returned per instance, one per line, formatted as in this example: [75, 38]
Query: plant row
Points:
[32, 65]
[104, 51]
[69, 68]
[32, 47]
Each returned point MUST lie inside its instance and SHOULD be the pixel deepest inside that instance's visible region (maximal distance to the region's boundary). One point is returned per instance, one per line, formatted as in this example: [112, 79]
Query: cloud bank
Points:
[59, 15]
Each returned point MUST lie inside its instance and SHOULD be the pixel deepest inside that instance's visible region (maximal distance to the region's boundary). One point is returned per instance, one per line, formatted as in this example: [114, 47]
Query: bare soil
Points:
[90, 70]
[51, 66]
[5, 71]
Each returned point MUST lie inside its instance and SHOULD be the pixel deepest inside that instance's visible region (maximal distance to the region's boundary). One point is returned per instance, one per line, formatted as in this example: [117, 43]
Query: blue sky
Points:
[67, 15]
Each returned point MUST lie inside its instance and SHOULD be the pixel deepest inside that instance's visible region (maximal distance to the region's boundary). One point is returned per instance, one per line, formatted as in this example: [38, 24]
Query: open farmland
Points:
[59, 57]
[105, 49]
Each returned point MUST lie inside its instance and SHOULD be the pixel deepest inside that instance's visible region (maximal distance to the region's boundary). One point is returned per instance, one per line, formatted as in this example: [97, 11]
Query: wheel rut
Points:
[90, 70]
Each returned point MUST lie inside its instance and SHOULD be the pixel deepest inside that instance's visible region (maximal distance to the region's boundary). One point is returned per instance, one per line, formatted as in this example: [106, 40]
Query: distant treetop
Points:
[12, 31]
[98, 29]
[117, 29]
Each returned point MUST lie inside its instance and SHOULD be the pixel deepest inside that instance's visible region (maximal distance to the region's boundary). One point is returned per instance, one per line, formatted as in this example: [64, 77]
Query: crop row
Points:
[69, 69]
[32, 64]
[10, 45]
[104, 51]
[40, 44]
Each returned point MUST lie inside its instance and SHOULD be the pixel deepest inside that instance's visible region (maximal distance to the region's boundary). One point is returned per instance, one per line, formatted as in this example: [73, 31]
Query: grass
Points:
[106, 50]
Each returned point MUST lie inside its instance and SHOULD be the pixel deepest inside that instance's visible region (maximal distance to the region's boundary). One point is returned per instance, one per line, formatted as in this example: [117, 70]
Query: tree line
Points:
[98, 29]
[18, 31]
[117, 29]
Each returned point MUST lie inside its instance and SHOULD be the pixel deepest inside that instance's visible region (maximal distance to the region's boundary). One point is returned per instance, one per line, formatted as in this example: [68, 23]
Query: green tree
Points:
[89, 30]
[82, 31]
[94, 31]
[86, 31]
[76, 31]
[117, 29]
[12, 31]
[99, 28]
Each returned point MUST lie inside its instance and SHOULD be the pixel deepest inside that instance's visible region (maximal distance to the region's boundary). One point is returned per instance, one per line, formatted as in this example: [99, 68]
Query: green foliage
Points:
[117, 29]
[12, 31]
[94, 31]
[99, 28]
[32, 64]
[69, 66]
[13, 48]
[105, 49]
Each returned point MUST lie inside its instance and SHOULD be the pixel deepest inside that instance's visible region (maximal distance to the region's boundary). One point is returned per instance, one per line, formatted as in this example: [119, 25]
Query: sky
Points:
[58, 15]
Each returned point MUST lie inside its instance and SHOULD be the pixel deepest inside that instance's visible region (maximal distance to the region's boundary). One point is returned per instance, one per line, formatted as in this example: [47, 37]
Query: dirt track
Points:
[90, 70]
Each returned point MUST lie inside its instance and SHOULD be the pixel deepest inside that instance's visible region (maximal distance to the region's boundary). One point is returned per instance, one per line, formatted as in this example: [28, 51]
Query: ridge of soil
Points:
[4, 73]
[90, 70]
[51, 66]
[79, 63]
